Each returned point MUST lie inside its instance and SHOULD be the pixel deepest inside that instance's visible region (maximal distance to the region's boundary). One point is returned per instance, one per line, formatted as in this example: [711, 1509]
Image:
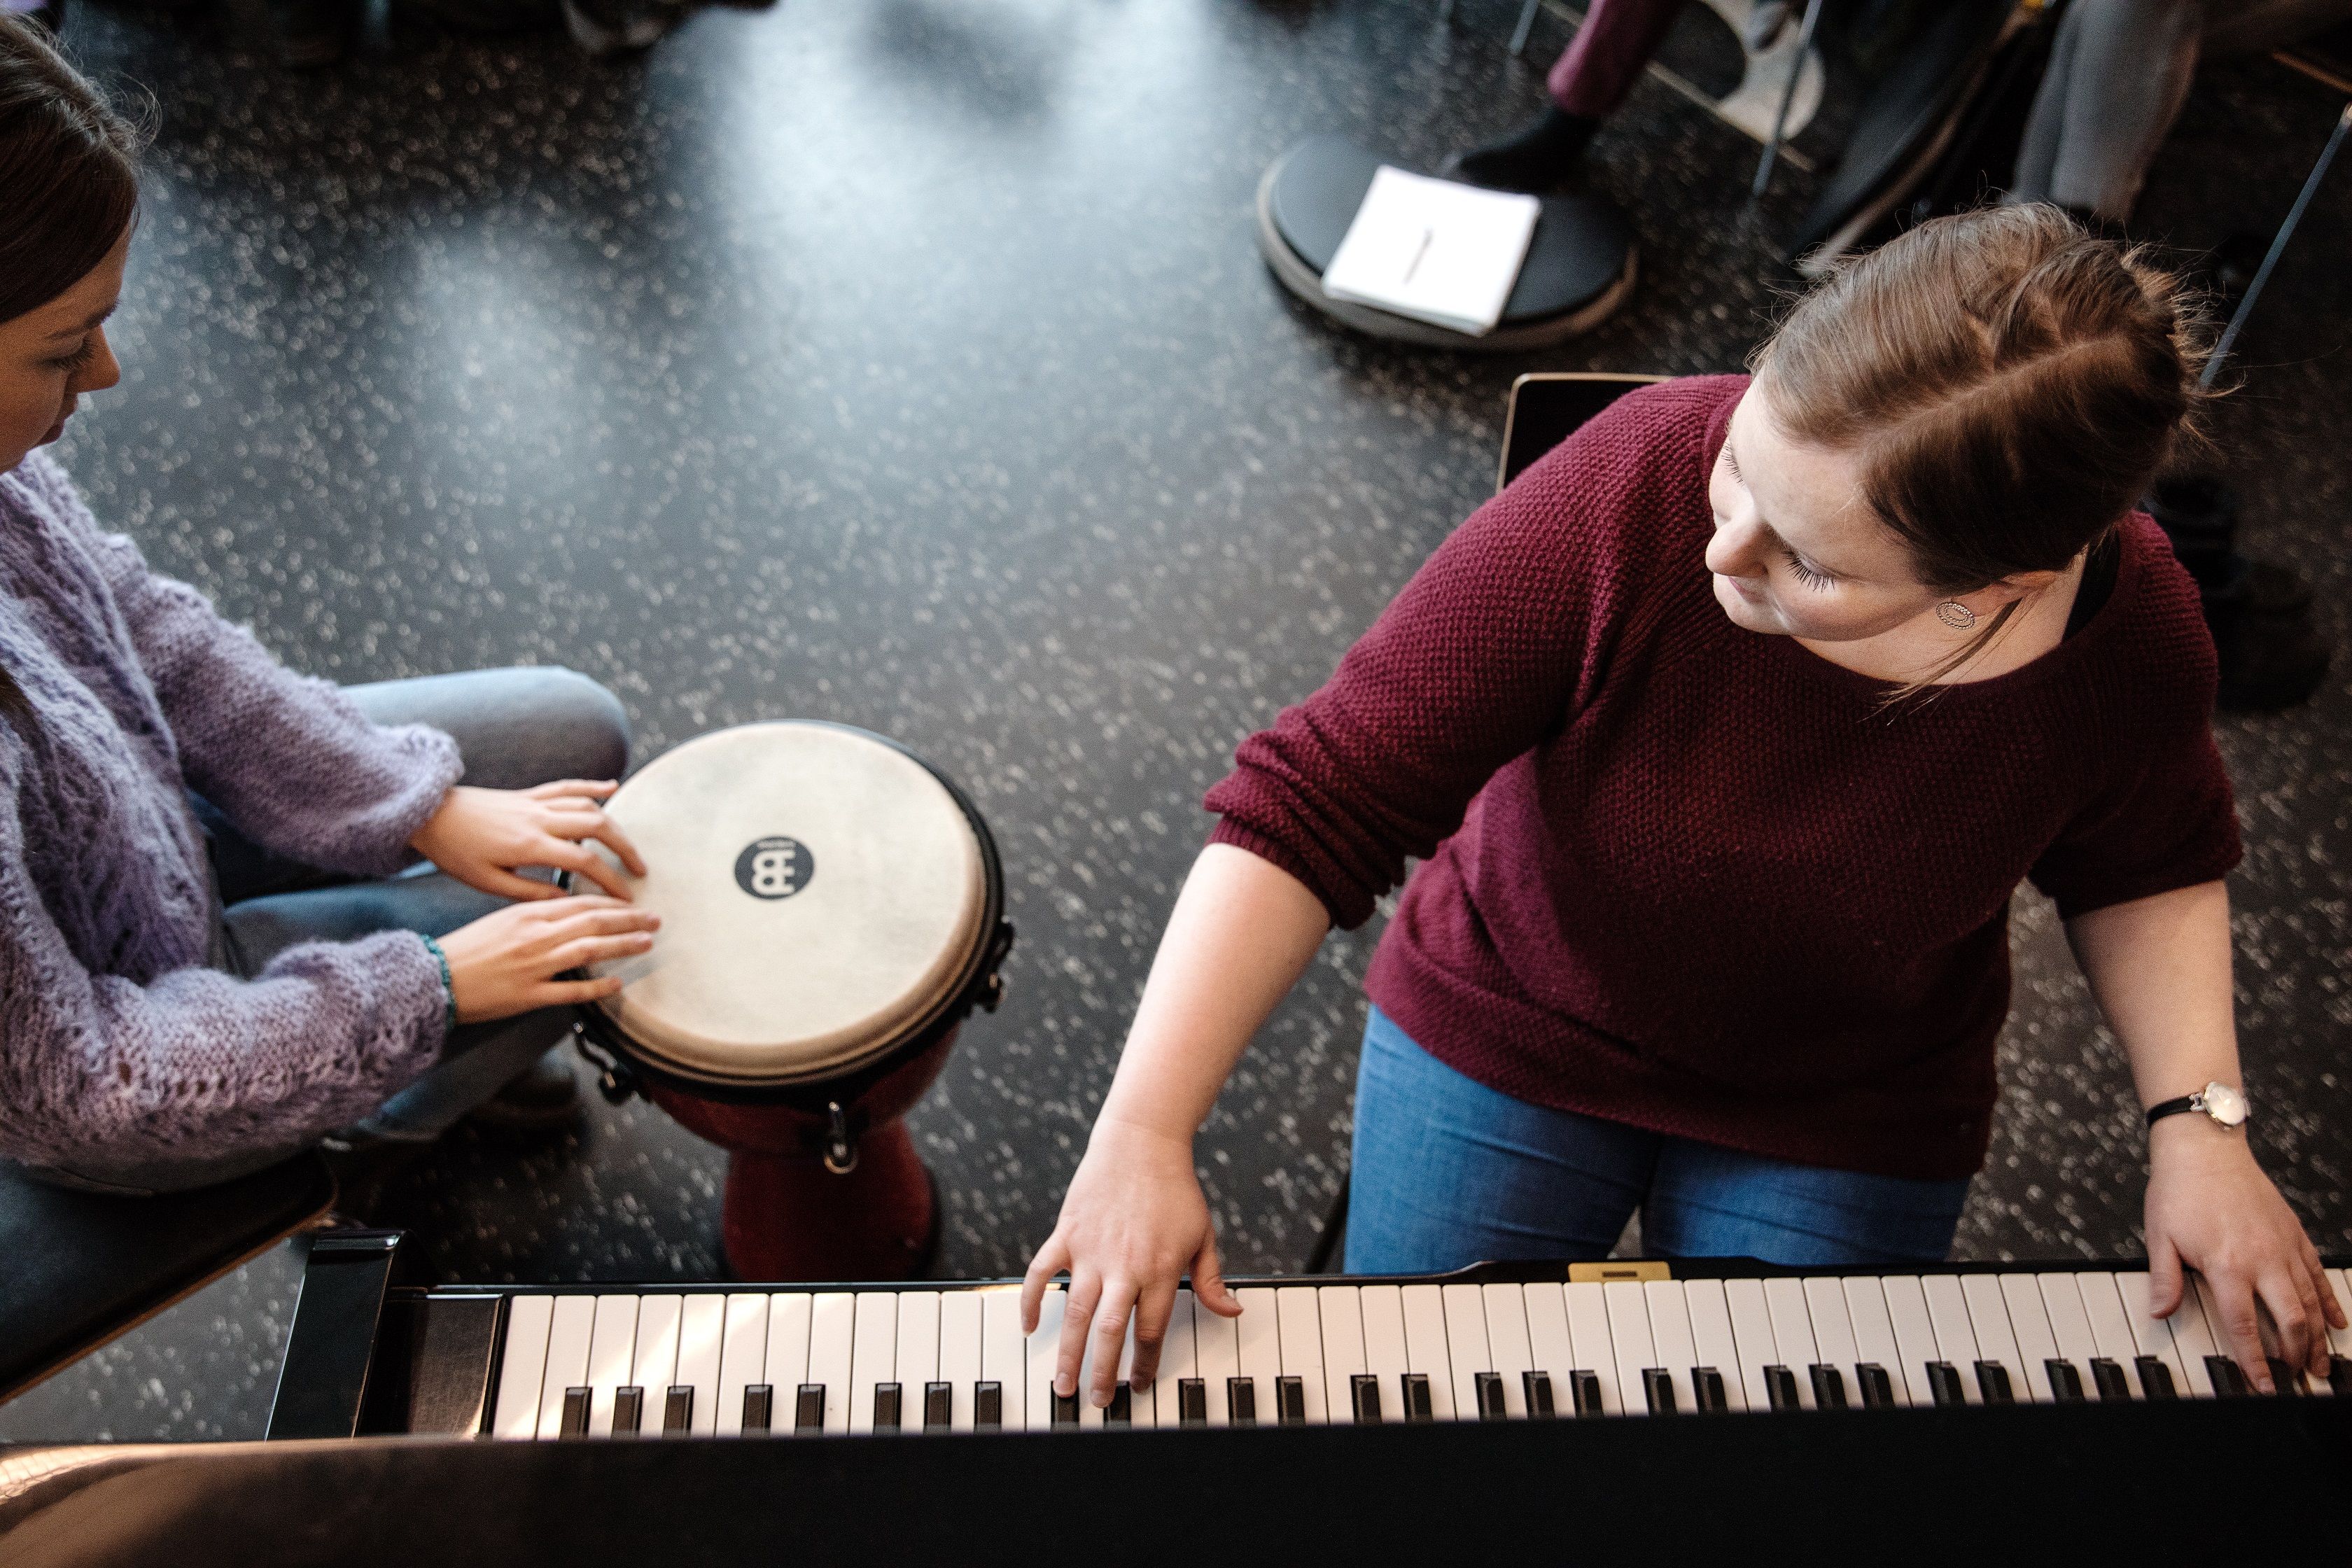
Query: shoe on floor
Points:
[542, 1098]
[1538, 157]
[604, 28]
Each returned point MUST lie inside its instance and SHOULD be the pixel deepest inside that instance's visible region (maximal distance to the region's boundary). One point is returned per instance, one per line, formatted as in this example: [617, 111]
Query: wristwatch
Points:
[2225, 1105]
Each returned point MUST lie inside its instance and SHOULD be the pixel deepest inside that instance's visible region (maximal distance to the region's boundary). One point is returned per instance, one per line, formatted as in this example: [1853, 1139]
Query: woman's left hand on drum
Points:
[485, 837]
[528, 955]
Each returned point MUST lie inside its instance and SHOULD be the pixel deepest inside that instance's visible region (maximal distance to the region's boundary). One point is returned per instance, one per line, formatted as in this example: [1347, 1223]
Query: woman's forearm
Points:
[2160, 969]
[1243, 932]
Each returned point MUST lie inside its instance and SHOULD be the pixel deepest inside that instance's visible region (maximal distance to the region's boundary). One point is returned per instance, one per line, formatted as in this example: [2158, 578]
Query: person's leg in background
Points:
[1587, 85]
[2119, 71]
[1447, 1172]
[1710, 1201]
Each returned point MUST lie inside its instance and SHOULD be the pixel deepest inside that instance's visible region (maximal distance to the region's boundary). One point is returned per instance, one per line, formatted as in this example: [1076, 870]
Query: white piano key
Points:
[1259, 1330]
[1343, 1351]
[1956, 1337]
[1914, 1333]
[1176, 1365]
[1834, 1340]
[612, 1346]
[1792, 1332]
[961, 1332]
[1509, 1352]
[742, 1360]
[567, 1358]
[2069, 1326]
[1751, 1331]
[790, 1314]
[2030, 1320]
[2111, 1328]
[1588, 1339]
[1466, 1344]
[1299, 1311]
[872, 1356]
[1426, 1349]
[918, 1353]
[1996, 1335]
[1385, 1355]
[1550, 1347]
[522, 1360]
[1670, 1337]
[702, 1332]
[654, 1365]
[833, 1339]
[2152, 1334]
[1005, 1352]
[1712, 1341]
[1874, 1333]
[1045, 1347]
[2194, 1337]
[1216, 1350]
[1629, 1333]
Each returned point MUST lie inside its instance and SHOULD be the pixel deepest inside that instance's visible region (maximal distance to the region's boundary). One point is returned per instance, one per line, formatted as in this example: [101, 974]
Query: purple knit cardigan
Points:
[118, 1046]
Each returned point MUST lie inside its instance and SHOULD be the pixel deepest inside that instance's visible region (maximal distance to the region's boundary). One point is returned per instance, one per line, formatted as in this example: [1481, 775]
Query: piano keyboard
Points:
[1496, 1343]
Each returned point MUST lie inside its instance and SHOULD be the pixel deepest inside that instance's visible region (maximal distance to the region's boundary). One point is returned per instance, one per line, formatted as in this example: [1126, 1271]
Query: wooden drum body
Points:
[831, 910]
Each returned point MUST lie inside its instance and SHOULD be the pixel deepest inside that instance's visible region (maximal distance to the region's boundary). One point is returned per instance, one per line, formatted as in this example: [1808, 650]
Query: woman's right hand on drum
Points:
[1133, 1223]
[512, 962]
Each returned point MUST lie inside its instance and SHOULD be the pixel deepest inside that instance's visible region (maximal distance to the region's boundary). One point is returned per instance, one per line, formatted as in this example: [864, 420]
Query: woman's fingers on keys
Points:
[2294, 1308]
[1108, 1339]
[2330, 1309]
[2241, 1327]
[1051, 1259]
[1153, 1310]
[1077, 1318]
[2165, 1280]
[1209, 1279]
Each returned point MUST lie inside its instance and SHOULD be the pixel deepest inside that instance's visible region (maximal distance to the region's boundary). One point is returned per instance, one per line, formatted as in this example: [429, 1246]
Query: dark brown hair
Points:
[68, 171]
[2010, 383]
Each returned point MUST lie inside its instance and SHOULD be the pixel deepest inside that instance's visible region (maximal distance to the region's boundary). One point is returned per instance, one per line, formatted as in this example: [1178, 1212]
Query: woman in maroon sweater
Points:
[1725, 735]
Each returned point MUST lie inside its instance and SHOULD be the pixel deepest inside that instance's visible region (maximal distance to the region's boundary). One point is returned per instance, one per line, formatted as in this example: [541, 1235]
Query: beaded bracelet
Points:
[448, 986]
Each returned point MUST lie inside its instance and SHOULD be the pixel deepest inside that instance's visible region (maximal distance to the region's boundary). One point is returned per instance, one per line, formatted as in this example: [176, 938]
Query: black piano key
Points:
[1192, 1402]
[2339, 1376]
[1537, 1385]
[1241, 1400]
[575, 1412]
[759, 1406]
[1492, 1406]
[1290, 1401]
[2286, 1378]
[628, 1410]
[1708, 1383]
[1781, 1388]
[1878, 1388]
[677, 1409]
[1944, 1383]
[1658, 1388]
[2109, 1379]
[1417, 1406]
[2229, 1382]
[2155, 1378]
[938, 1407]
[1992, 1382]
[1121, 1411]
[808, 1408]
[886, 1407]
[1364, 1392]
[1584, 1387]
[1065, 1410]
[1828, 1387]
[988, 1406]
[2065, 1382]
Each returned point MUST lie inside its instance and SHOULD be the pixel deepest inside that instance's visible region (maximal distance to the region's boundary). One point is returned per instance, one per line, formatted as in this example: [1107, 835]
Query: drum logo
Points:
[774, 868]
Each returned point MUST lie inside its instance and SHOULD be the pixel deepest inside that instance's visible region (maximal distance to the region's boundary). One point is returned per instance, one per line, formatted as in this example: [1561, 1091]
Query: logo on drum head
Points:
[774, 868]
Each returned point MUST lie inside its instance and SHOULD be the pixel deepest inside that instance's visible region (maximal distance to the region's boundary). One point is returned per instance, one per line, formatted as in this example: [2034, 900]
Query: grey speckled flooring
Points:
[908, 362]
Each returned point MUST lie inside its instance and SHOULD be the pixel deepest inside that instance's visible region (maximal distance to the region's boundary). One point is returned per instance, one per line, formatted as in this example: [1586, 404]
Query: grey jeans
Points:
[514, 727]
[2119, 71]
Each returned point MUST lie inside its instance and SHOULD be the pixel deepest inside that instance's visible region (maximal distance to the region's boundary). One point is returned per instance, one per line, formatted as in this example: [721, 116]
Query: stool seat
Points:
[82, 1268]
[1580, 265]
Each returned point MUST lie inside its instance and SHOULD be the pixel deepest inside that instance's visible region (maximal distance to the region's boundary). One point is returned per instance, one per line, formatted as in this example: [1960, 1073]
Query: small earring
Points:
[1955, 615]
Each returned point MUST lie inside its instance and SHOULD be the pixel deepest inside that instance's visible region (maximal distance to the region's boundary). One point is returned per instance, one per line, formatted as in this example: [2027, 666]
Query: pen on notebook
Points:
[1427, 235]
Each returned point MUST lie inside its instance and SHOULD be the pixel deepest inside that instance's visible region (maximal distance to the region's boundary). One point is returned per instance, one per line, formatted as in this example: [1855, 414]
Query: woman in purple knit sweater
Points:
[219, 939]
[1723, 737]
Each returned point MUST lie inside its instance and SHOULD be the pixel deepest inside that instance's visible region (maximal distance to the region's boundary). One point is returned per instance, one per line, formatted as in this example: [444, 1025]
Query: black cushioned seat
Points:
[78, 1268]
[1580, 264]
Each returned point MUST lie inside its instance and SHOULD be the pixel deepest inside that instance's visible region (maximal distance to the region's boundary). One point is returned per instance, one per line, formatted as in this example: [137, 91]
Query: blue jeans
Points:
[1448, 1171]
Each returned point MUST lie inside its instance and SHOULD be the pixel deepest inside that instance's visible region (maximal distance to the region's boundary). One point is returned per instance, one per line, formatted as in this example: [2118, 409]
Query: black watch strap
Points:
[2157, 1113]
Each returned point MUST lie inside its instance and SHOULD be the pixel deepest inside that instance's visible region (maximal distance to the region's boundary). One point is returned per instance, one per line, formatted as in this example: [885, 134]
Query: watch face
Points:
[2224, 1104]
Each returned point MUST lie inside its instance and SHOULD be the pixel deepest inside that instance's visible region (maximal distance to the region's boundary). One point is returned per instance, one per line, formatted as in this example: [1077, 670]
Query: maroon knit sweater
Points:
[1700, 880]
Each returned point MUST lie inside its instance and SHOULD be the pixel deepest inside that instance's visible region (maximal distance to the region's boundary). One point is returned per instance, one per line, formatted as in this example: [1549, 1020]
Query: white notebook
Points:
[1434, 250]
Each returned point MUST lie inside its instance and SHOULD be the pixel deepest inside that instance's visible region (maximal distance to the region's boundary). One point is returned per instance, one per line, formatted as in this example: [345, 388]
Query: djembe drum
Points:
[831, 910]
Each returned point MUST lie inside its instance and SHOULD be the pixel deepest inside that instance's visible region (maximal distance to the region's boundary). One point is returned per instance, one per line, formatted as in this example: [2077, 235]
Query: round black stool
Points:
[1580, 264]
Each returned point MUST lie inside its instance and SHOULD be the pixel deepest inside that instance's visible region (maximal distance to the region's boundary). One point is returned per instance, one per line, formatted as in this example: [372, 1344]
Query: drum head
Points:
[822, 895]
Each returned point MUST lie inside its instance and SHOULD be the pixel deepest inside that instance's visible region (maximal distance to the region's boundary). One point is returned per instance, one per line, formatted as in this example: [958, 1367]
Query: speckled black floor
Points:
[908, 362]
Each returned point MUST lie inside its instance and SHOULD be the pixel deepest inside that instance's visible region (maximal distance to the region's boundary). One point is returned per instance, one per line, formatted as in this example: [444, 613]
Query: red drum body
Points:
[832, 911]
